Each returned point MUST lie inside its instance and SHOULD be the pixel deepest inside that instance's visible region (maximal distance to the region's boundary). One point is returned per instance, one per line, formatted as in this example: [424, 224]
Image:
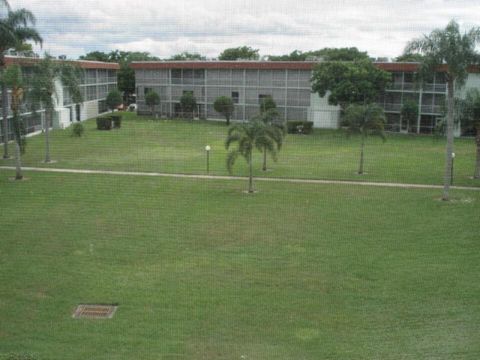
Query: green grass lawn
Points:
[203, 271]
[177, 146]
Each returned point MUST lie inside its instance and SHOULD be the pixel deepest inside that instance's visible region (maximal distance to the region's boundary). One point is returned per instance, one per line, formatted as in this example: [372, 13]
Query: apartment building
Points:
[288, 83]
[97, 79]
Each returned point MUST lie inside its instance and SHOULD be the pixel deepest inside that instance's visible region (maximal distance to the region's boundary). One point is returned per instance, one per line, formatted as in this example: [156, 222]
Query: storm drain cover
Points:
[94, 311]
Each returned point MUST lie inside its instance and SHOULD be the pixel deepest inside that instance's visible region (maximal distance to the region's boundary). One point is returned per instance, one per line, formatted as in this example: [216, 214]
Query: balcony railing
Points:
[438, 88]
[425, 109]
[431, 109]
[392, 107]
[435, 88]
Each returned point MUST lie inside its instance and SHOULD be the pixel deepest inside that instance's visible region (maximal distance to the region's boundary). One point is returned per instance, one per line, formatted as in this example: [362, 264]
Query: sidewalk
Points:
[220, 177]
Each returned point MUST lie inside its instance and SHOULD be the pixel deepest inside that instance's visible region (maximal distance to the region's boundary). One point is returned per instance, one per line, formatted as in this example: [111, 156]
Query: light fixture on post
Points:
[453, 159]
[207, 149]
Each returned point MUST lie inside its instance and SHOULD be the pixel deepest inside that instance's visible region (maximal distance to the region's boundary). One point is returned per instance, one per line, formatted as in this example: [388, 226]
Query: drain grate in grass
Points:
[94, 311]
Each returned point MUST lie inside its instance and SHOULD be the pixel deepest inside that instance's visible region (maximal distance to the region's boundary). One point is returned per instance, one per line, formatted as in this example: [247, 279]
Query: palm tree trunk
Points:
[5, 120]
[228, 120]
[264, 168]
[447, 178]
[250, 178]
[47, 137]
[362, 151]
[18, 161]
[477, 162]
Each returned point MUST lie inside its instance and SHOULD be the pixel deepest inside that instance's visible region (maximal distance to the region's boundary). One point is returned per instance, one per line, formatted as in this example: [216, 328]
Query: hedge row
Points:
[106, 122]
[299, 127]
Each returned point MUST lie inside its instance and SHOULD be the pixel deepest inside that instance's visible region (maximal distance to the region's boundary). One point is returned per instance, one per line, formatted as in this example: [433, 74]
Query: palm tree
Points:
[274, 130]
[14, 30]
[12, 77]
[248, 136]
[467, 111]
[456, 52]
[43, 89]
[365, 120]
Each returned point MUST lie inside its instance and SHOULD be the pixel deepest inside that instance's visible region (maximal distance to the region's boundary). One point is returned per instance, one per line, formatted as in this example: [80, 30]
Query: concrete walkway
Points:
[219, 177]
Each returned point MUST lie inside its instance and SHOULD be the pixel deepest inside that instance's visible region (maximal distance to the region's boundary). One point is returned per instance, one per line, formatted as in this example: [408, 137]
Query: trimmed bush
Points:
[104, 123]
[77, 129]
[299, 127]
[117, 121]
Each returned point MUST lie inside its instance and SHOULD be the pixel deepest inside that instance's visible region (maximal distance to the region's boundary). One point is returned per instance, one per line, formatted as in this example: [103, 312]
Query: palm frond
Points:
[21, 17]
[231, 158]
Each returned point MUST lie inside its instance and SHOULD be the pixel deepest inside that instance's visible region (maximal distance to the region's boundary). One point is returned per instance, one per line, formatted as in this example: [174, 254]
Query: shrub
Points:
[117, 121]
[296, 127]
[104, 123]
[77, 129]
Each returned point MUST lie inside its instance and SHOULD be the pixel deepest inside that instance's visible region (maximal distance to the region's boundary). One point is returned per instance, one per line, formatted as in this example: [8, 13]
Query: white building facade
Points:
[97, 79]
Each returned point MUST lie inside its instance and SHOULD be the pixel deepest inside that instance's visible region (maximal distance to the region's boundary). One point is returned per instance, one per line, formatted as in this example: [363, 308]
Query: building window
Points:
[235, 97]
[146, 90]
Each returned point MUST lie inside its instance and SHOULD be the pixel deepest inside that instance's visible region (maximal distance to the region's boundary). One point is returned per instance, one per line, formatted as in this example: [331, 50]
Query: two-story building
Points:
[97, 79]
[288, 83]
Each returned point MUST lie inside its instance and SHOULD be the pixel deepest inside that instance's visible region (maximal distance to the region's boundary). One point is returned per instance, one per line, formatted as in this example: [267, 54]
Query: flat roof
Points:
[271, 65]
[84, 64]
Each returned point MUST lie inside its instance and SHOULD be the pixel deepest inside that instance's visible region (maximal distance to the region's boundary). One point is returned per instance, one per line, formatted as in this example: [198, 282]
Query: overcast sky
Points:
[164, 28]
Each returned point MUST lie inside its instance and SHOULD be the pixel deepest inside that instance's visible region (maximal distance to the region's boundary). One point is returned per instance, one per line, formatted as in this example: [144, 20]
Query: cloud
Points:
[164, 28]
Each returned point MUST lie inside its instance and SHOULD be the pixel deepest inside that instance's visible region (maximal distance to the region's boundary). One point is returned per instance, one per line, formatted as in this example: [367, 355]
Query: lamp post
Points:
[207, 149]
[453, 159]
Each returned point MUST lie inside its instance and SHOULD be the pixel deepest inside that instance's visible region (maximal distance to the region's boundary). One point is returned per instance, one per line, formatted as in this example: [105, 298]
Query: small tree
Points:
[266, 104]
[247, 136]
[409, 112]
[225, 106]
[114, 99]
[188, 103]
[364, 120]
[152, 99]
[12, 77]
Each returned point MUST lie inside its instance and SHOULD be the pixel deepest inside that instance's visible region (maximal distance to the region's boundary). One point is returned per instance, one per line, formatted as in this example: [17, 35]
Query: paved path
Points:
[219, 177]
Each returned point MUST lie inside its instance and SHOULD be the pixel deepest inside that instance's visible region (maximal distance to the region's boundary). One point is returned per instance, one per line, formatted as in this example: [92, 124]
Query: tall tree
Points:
[365, 120]
[96, 56]
[408, 57]
[15, 29]
[187, 56]
[467, 111]
[239, 53]
[455, 52]
[326, 54]
[247, 136]
[44, 92]
[225, 106]
[358, 82]
[12, 77]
